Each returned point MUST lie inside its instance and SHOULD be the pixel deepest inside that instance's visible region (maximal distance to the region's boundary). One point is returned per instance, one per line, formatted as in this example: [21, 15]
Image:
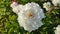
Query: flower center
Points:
[30, 14]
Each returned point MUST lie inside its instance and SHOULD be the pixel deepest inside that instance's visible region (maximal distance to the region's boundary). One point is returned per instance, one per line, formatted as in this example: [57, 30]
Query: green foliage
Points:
[9, 24]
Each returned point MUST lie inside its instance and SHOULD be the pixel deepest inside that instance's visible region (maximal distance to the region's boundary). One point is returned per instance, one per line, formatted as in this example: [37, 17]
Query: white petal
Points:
[57, 31]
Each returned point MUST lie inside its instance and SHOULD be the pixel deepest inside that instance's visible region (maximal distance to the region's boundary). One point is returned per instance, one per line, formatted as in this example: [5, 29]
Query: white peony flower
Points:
[56, 2]
[47, 6]
[30, 17]
[57, 31]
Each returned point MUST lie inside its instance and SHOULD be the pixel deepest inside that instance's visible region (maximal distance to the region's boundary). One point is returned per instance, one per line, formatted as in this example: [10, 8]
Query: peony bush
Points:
[10, 25]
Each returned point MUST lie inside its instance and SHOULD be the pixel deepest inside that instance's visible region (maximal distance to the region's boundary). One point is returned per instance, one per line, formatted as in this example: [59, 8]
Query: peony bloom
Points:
[47, 6]
[56, 2]
[29, 16]
[57, 31]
